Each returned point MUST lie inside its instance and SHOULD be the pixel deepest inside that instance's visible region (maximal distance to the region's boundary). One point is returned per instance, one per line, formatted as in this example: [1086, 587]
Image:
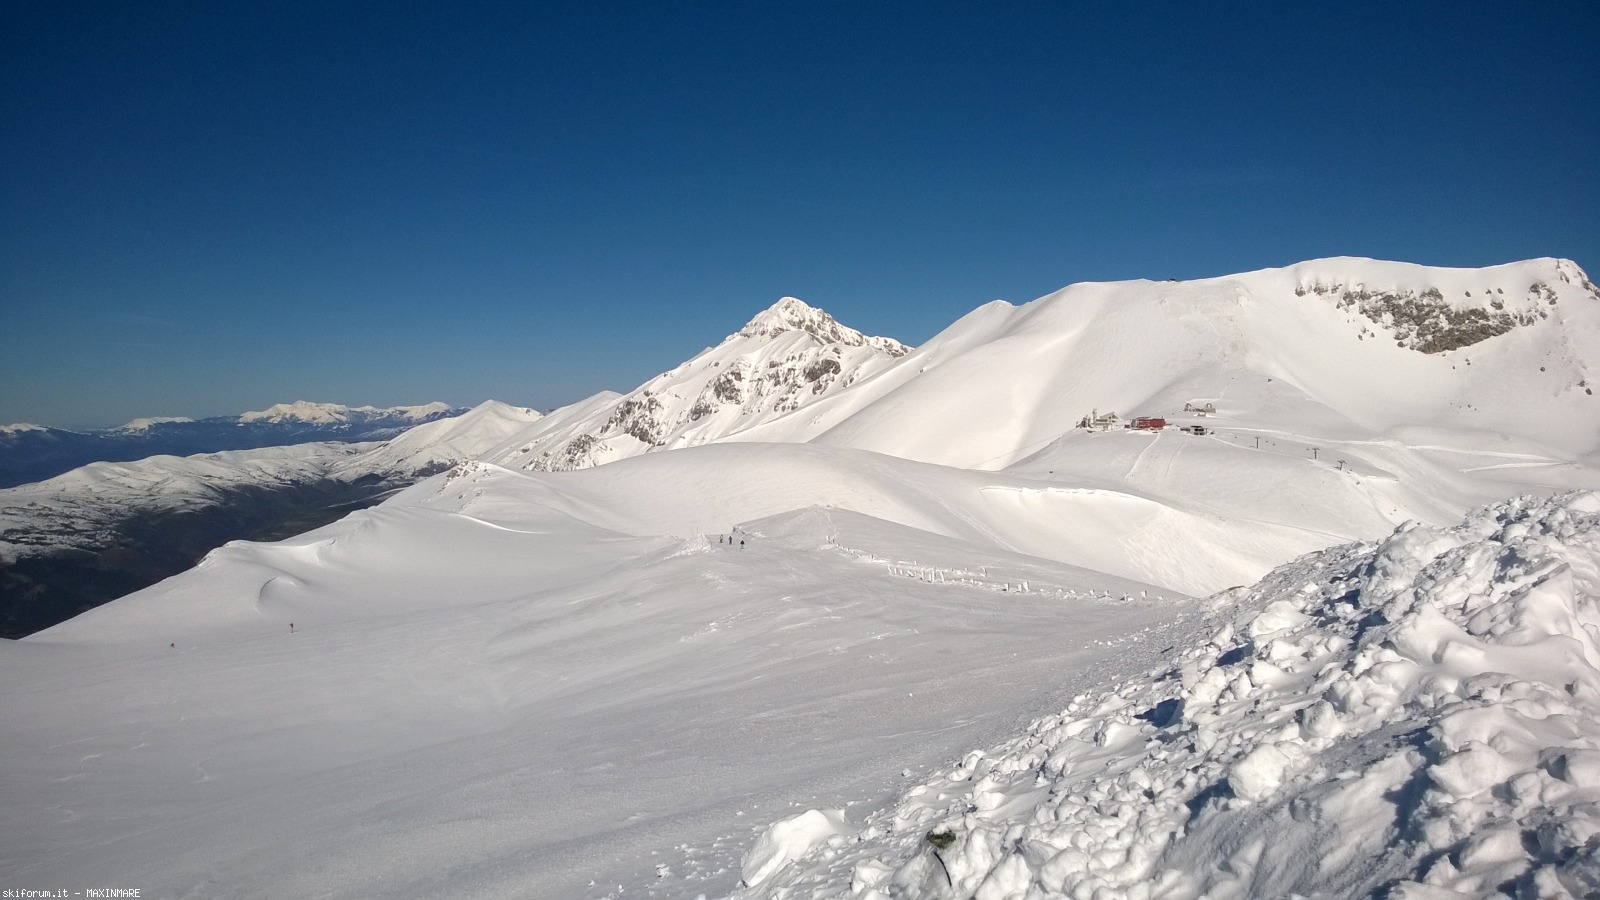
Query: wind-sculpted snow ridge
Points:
[1418, 718]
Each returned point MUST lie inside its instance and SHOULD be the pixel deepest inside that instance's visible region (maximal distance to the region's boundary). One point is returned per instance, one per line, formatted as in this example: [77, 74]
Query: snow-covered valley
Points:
[737, 636]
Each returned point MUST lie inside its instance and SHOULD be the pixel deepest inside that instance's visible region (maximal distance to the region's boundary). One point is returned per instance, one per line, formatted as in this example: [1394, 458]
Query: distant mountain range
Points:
[105, 529]
[35, 452]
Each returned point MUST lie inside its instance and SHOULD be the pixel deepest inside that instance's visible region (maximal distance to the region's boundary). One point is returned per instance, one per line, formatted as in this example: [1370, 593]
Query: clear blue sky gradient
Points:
[208, 208]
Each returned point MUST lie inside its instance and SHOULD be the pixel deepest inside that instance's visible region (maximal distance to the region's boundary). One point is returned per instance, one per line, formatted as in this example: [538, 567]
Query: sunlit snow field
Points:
[525, 702]
[625, 680]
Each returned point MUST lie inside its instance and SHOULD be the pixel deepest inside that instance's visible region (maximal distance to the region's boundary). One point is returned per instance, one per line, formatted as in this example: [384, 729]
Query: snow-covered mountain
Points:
[76, 509]
[745, 654]
[309, 413]
[110, 527]
[31, 453]
[782, 362]
[1342, 397]
[439, 443]
[1349, 352]
[145, 424]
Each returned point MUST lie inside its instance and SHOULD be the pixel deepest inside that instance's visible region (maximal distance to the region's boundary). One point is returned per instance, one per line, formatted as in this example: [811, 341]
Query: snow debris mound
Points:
[788, 839]
[1414, 719]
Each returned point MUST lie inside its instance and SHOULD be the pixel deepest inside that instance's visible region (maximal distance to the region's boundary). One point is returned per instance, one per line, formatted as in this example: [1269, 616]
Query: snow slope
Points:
[1414, 718]
[679, 671]
[440, 443]
[703, 489]
[520, 684]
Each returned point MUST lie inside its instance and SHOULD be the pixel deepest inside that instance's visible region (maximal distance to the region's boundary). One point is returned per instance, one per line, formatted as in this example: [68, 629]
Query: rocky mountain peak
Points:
[792, 314]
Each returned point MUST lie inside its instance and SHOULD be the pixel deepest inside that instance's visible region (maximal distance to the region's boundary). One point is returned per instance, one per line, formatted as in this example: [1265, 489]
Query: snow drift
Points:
[1417, 718]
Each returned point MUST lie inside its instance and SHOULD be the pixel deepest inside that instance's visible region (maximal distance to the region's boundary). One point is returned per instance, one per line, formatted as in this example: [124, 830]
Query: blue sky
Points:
[208, 208]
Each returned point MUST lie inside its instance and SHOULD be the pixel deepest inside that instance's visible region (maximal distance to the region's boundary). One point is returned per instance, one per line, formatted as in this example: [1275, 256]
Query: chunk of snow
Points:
[789, 839]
